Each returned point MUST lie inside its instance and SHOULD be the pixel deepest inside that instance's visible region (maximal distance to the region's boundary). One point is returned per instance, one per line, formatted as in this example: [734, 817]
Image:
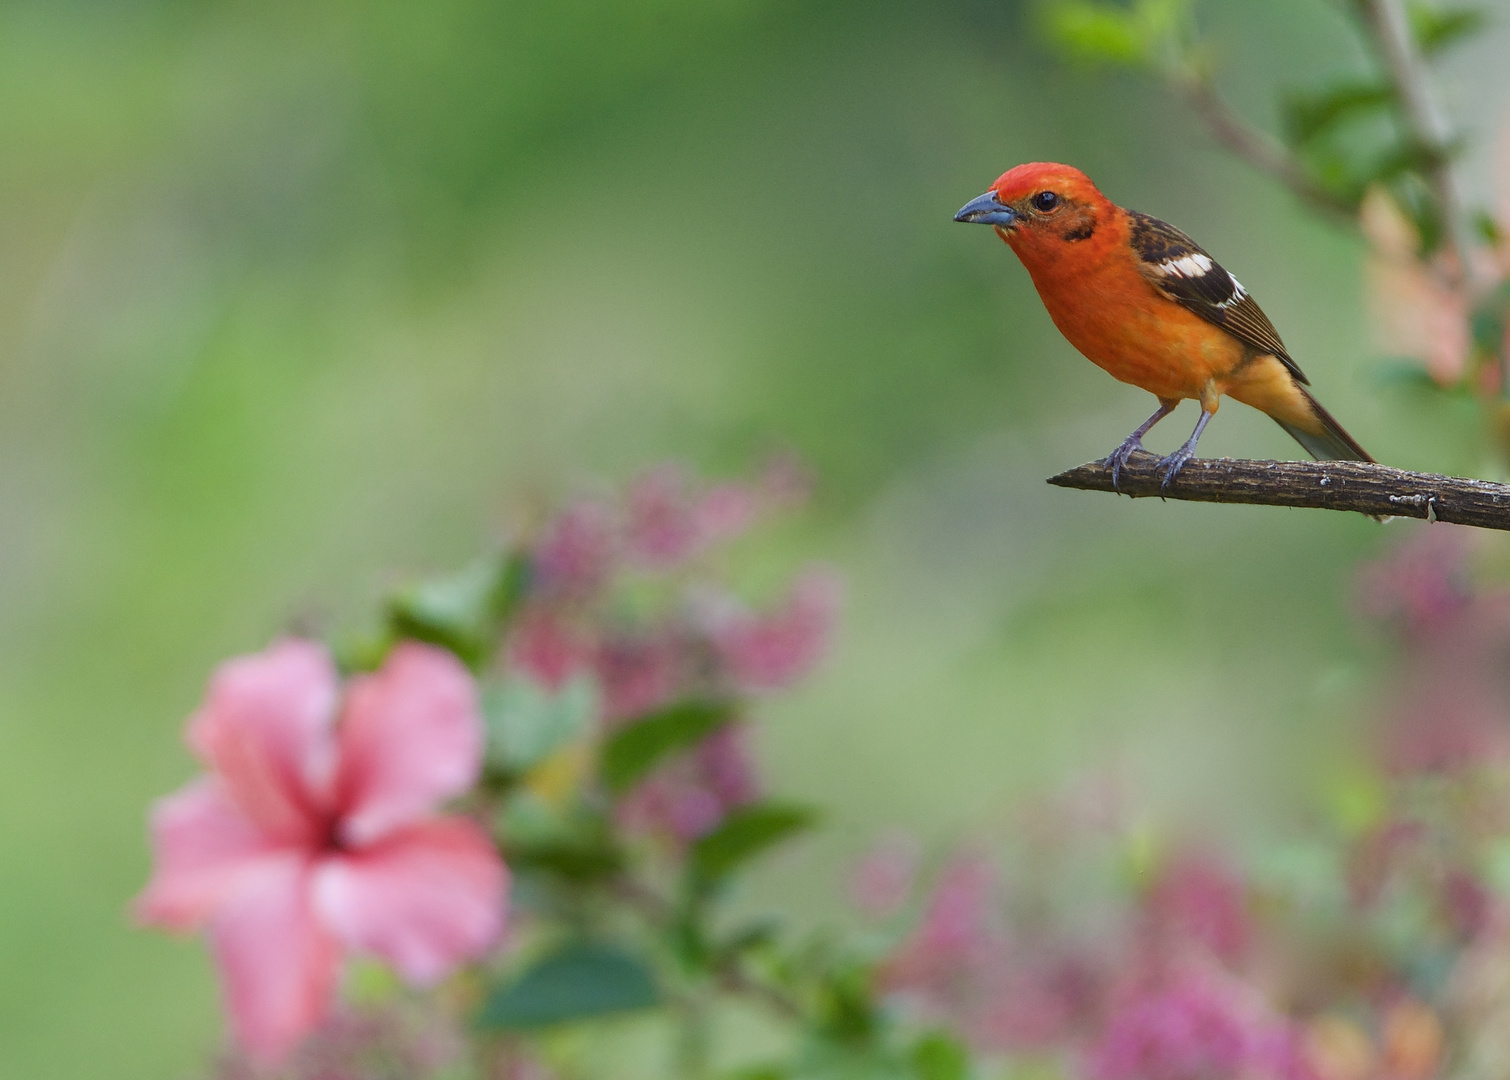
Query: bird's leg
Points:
[1134, 442]
[1210, 399]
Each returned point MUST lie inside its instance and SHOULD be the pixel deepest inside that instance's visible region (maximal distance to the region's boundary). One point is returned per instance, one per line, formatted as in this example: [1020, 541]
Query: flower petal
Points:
[424, 899]
[411, 735]
[770, 651]
[264, 729]
[202, 843]
[278, 965]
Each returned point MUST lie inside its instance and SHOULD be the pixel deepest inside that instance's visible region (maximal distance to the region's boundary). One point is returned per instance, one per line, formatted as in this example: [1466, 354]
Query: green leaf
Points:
[1095, 32]
[1402, 373]
[1488, 320]
[1307, 116]
[528, 721]
[1142, 35]
[580, 981]
[577, 861]
[462, 612]
[937, 1056]
[1487, 228]
[745, 833]
[1437, 30]
[847, 1012]
[633, 750]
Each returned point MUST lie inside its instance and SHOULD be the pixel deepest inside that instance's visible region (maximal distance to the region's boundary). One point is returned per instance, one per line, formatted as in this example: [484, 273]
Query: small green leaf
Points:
[1437, 30]
[1402, 373]
[633, 750]
[1487, 228]
[1145, 34]
[364, 651]
[582, 980]
[1407, 157]
[579, 861]
[745, 833]
[462, 612]
[847, 1012]
[937, 1056]
[1307, 116]
[1097, 33]
[528, 721]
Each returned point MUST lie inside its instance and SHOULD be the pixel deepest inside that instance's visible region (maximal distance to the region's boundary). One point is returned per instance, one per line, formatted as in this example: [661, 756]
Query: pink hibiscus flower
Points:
[309, 839]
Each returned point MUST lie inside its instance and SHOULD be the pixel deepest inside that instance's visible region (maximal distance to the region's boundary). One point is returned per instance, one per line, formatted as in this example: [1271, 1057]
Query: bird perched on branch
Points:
[1141, 299]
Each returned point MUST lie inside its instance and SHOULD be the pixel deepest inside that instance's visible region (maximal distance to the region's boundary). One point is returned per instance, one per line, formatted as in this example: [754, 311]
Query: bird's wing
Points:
[1175, 265]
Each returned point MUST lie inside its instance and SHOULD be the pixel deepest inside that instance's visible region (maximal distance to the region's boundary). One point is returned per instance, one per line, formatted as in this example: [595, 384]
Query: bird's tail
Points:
[1331, 443]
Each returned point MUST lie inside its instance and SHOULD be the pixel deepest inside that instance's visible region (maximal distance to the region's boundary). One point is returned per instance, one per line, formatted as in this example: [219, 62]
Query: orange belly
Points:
[1123, 325]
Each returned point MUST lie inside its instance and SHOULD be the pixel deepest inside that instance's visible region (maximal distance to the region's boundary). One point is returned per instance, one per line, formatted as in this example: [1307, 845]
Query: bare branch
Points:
[1321, 485]
[1428, 122]
[1257, 147]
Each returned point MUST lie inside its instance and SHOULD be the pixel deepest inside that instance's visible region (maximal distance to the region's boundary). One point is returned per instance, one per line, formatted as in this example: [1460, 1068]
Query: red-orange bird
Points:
[1141, 300]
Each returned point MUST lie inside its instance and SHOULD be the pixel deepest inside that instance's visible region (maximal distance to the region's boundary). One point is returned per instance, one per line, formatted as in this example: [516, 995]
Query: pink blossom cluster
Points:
[1389, 960]
[1161, 992]
[319, 830]
[663, 522]
[1199, 1025]
[1449, 313]
[1447, 706]
[701, 642]
[690, 795]
[965, 966]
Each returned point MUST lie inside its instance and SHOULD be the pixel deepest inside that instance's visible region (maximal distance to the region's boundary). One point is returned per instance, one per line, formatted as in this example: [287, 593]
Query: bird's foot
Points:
[1174, 463]
[1118, 458]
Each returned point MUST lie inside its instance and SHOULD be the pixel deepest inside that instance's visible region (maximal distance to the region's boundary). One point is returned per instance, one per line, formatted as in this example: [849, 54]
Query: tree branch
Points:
[1427, 121]
[1320, 485]
[1257, 147]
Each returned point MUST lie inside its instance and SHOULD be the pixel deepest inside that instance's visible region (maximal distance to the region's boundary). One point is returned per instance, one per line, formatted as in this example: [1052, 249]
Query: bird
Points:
[1146, 303]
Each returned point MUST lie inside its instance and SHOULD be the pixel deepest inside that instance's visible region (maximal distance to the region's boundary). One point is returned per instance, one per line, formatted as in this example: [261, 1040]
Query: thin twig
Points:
[734, 980]
[1428, 123]
[727, 971]
[1322, 485]
[1257, 147]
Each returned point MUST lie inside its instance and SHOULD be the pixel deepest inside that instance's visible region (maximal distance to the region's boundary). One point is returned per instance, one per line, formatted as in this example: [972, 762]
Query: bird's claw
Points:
[1119, 457]
[1173, 464]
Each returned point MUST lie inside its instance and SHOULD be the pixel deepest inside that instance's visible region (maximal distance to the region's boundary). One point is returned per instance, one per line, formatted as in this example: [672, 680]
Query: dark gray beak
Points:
[988, 210]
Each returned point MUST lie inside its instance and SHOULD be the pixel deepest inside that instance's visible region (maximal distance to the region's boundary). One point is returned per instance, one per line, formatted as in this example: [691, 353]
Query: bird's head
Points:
[1040, 206]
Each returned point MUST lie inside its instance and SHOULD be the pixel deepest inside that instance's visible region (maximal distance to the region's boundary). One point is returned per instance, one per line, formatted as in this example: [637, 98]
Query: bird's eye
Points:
[1046, 201]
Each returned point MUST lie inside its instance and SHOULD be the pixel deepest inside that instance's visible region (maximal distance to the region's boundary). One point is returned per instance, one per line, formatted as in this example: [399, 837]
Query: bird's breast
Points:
[1121, 323]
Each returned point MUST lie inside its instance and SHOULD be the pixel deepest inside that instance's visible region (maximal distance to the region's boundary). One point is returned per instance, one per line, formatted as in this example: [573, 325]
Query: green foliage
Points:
[1307, 116]
[1145, 33]
[579, 981]
[1489, 320]
[528, 721]
[847, 1011]
[462, 612]
[1438, 30]
[1403, 374]
[744, 834]
[938, 1056]
[573, 860]
[634, 749]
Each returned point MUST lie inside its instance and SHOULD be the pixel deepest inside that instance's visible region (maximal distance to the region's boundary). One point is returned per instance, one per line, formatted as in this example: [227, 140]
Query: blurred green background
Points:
[298, 297]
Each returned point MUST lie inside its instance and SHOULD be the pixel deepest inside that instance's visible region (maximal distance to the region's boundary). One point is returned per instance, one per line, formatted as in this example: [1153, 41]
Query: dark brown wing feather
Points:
[1178, 267]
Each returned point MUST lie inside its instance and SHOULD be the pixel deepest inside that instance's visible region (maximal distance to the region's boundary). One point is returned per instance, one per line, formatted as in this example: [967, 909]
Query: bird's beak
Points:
[988, 210]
